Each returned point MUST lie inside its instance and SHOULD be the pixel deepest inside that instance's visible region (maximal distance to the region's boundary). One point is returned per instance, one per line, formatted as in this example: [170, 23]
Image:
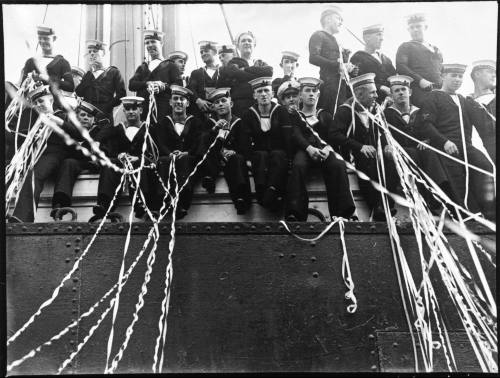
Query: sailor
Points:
[484, 77]
[372, 60]
[230, 151]
[226, 53]
[179, 58]
[204, 80]
[156, 74]
[420, 60]
[447, 119]
[404, 116]
[246, 68]
[288, 95]
[269, 128]
[49, 68]
[49, 163]
[311, 152]
[74, 164]
[360, 137]
[289, 63]
[125, 141]
[324, 52]
[101, 86]
[179, 134]
[77, 74]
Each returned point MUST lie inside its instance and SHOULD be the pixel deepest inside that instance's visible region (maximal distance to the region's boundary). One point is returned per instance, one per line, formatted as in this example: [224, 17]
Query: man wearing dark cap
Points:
[420, 60]
[289, 63]
[447, 119]
[50, 161]
[101, 86]
[309, 152]
[204, 80]
[360, 136]
[269, 130]
[324, 52]
[179, 58]
[372, 60]
[226, 53]
[156, 73]
[179, 134]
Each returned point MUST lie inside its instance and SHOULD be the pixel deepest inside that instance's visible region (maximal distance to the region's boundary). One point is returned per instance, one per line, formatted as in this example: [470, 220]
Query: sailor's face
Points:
[153, 47]
[86, 119]
[95, 55]
[333, 23]
[179, 103]
[290, 101]
[222, 106]
[207, 55]
[309, 95]
[181, 63]
[400, 94]
[132, 112]
[453, 81]
[374, 40]
[263, 95]
[246, 44]
[417, 30]
[487, 77]
[44, 104]
[366, 94]
[288, 66]
[225, 58]
[46, 42]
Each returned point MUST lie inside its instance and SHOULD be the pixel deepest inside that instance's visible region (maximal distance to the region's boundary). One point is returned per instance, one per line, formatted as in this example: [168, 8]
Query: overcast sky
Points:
[464, 31]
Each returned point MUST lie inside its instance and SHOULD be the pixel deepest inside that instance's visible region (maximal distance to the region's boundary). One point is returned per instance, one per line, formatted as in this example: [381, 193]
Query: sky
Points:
[464, 31]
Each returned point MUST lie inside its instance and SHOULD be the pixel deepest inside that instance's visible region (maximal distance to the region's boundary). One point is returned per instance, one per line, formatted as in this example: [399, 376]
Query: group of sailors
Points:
[276, 129]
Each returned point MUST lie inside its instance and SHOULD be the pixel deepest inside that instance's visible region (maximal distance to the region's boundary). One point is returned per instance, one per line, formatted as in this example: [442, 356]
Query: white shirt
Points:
[265, 123]
[97, 73]
[485, 99]
[130, 132]
[377, 56]
[153, 64]
[179, 128]
[455, 99]
[363, 116]
[43, 62]
[210, 71]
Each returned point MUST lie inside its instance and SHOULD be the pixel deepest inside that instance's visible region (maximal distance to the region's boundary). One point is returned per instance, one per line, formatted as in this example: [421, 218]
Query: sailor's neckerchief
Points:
[314, 132]
[413, 109]
[257, 113]
[173, 122]
[232, 121]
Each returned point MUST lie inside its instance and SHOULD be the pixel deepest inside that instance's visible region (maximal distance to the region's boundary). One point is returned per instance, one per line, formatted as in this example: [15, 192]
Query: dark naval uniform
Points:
[414, 59]
[200, 83]
[105, 91]
[47, 166]
[166, 72]
[269, 150]
[168, 140]
[278, 81]
[324, 53]
[441, 122]
[340, 201]
[487, 131]
[382, 69]
[58, 69]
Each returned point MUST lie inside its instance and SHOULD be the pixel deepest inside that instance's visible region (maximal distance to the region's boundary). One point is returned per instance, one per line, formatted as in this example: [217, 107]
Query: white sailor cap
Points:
[177, 55]
[260, 82]
[88, 108]
[132, 100]
[208, 45]
[416, 18]
[218, 93]
[95, 44]
[42, 90]
[153, 34]
[310, 82]
[331, 10]
[372, 29]
[368, 78]
[227, 49]
[181, 91]
[485, 63]
[290, 55]
[45, 30]
[77, 71]
[399, 80]
[453, 68]
[288, 86]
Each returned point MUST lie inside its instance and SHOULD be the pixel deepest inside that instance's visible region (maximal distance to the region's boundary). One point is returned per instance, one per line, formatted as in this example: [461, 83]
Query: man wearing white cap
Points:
[484, 76]
[204, 80]
[420, 60]
[49, 68]
[179, 134]
[309, 152]
[288, 95]
[155, 74]
[269, 128]
[372, 60]
[289, 63]
[324, 52]
[179, 58]
[226, 53]
[50, 161]
[101, 86]
[447, 120]
[360, 137]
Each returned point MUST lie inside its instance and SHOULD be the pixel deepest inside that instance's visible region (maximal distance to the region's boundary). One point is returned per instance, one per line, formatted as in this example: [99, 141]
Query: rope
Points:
[346, 272]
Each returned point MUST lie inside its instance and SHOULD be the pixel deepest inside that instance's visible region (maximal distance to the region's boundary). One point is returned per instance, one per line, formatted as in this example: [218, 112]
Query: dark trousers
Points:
[236, 175]
[328, 94]
[66, 177]
[269, 168]
[47, 166]
[340, 201]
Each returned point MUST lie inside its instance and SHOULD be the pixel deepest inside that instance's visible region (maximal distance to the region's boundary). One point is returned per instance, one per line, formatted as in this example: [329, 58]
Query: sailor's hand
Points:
[315, 153]
[222, 134]
[203, 105]
[385, 89]
[425, 84]
[326, 151]
[388, 151]
[350, 67]
[122, 155]
[161, 86]
[368, 151]
[226, 154]
[421, 146]
[450, 147]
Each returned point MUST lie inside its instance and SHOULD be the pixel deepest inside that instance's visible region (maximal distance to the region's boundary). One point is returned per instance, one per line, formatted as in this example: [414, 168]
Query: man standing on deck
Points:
[289, 63]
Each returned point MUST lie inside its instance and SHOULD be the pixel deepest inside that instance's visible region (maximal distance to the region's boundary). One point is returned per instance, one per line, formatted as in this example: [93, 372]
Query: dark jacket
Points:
[395, 118]
[105, 91]
[113, 140]
[97, 133]
[56, 143]
[324, 53]
[277, 82]
[167, 140]
[200, 80]
[59, 72]
[417, 61]
[237, 79]
[302, 136]
[236, 139]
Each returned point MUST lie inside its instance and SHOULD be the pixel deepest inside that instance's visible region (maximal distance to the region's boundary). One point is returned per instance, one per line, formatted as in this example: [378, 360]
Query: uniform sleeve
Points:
[402, 59]
[479, 117]
[259, 71]
[243, 140]
[119, 88]
[287, 130]
[315, 58]
[159, 138]
[298, 138]
[195, 84]
[337, 134]
[65, 81]
[138, 82]
[425, 127]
